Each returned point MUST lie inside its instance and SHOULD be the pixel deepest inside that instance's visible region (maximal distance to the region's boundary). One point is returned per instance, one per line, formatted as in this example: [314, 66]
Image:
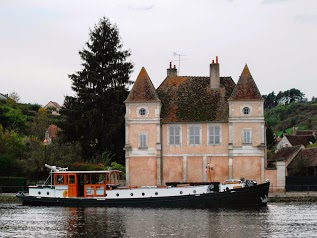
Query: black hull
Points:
[254, 196]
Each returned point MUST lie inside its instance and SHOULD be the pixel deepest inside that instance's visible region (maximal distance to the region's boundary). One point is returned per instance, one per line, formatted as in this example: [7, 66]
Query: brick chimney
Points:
[172, 71]
[214, 74]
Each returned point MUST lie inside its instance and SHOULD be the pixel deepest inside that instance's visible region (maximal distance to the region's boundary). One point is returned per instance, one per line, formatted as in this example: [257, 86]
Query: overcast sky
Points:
[40, 41]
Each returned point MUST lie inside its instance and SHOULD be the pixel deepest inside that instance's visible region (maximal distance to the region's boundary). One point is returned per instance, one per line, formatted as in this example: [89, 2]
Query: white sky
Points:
[40, 41]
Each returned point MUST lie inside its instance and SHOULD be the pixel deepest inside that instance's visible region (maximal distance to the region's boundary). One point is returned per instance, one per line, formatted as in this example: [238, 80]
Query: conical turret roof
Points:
[143, 89]
[246, 88]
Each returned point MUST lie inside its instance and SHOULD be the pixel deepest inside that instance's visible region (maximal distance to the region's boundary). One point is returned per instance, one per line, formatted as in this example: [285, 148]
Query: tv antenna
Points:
[179, 60]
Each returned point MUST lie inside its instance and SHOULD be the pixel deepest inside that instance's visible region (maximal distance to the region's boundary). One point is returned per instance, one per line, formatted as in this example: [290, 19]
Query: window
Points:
[246, 111]
[174, 135]
[246, 136]
[142, 140]
[142, 111]
[214, 135]
[194, 135]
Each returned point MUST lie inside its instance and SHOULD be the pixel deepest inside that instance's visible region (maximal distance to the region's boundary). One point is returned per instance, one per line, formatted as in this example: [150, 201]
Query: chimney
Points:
[214, 74]
[171, 71]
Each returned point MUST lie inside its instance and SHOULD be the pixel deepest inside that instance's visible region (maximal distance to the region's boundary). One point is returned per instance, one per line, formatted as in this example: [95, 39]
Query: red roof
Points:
[246, 88]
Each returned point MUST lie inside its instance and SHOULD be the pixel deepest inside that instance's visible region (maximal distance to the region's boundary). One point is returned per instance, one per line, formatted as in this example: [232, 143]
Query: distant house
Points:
[55, 106]
[294, 140]
[3, 97]
[51, 133]
[288, 157]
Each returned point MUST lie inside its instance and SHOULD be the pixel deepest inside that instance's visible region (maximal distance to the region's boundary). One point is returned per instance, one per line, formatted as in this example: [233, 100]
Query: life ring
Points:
[65, 193]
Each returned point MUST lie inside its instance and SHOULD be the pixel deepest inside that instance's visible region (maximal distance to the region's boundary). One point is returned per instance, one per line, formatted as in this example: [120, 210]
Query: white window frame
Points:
[246, 136]
[143, 140]
[211, 135]
[172, 136]
[197, 133]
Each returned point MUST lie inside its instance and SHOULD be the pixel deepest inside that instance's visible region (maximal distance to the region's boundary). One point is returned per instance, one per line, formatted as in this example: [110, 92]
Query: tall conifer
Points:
[95, 115]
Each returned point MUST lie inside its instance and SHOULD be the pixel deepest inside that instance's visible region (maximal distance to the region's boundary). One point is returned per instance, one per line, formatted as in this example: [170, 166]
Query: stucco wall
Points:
[247, 167]
[271, 174]
[143, 171]
[172, 169]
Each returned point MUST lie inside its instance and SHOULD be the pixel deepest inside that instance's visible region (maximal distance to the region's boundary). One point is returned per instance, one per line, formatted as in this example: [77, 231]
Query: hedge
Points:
[12, 184]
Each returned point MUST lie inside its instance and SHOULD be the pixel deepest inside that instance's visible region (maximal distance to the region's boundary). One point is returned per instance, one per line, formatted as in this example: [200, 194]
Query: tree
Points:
[14, 96]
[270, 138]
[95, 115]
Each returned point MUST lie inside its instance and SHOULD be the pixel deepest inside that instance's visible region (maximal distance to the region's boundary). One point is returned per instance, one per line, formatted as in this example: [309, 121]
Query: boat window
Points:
[60, 179]
[71, 179]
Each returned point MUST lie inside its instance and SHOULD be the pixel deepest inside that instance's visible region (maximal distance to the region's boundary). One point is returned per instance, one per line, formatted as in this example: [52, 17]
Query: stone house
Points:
[173, 132]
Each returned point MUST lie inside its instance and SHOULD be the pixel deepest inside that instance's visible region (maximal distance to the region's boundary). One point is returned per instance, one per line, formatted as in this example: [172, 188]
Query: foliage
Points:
[14, 96]
[12, 118]
[312, 145]
[116, 166]
[12, 184]
[270, 138]
[302, 115]
[95, 116]
[283, 98]
[39, 124]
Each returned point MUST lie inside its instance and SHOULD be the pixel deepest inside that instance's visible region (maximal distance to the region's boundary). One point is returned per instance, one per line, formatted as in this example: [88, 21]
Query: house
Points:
[54, 106]
[294, 140]
[292, 157]
[173, 132]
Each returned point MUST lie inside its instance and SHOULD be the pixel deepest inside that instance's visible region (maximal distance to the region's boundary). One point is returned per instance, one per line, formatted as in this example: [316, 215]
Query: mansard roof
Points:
[143, 89]
[246, 88]
[190, 99]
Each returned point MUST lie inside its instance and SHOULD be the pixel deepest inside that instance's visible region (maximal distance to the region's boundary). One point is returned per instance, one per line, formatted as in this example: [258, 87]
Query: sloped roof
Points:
[301, 139]
[190, 99]
[57, 106]
[285, 153]
[307, 154]
[143, 89]
[304, 132]
[246, 88]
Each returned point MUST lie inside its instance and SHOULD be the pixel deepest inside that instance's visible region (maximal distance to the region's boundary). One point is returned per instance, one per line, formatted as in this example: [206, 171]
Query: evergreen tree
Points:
[95, 115]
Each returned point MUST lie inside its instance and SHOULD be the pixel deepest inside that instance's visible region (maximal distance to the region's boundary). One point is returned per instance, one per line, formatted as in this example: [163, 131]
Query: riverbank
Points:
[273, 197]
[293, 197]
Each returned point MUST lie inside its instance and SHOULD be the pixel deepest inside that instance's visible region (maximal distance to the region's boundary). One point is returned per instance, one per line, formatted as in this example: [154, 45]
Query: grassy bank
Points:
[8, 198]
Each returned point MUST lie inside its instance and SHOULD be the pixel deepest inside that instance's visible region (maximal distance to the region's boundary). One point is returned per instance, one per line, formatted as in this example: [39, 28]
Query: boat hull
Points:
[254, 196]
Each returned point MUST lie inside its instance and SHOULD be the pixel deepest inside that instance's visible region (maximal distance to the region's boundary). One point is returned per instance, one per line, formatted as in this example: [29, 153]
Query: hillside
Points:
[302, 115]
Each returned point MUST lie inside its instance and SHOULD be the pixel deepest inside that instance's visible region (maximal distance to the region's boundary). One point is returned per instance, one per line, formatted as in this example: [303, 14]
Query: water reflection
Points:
[276, 220]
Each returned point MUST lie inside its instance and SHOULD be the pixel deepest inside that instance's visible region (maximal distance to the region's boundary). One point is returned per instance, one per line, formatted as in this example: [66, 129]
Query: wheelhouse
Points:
[86, 183]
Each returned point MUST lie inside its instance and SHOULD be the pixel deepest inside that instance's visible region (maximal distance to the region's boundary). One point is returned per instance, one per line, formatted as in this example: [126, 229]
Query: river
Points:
[275, 220]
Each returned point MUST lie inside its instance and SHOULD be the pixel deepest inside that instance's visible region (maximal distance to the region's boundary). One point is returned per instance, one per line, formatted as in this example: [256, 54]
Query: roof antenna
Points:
[179, 60]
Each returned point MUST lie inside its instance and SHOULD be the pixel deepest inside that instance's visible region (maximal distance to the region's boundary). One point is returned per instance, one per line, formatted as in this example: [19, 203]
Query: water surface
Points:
[275, 220]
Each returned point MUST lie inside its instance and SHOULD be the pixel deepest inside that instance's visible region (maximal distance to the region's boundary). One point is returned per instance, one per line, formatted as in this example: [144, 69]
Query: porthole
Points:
[142, 111]
[39, 193]
[48, 193]
[106, 195]
[156, 193]
[181, 192]
[131, 194]
[117, 194]
[143, 194]
[246, 111]
[194, 191]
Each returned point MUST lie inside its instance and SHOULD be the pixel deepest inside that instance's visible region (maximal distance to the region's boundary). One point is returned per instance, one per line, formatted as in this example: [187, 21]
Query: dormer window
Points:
[142, 111]
[246, 111]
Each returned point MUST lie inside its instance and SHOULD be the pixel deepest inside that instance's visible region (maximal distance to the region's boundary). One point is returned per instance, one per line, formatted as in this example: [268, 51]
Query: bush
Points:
[12, 184]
